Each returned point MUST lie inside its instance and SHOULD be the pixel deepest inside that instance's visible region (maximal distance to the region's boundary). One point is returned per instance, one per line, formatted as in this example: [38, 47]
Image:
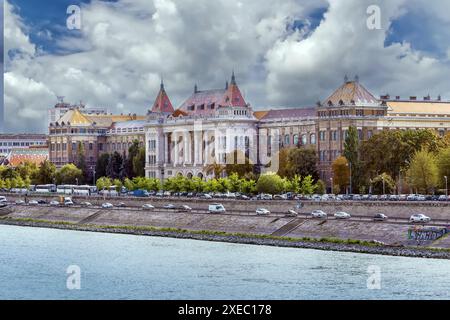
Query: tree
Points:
[115, 166]
[81, 162]
[443, 163]
[298, 161]
[139, 163]
[341, 173]
[307, 186]
[101, 165]
[118, 183]
[321, 187]
[9, 173]
[377, 184]
[69, 174]
[129, 185]
[351, 153]
[104, 183]
[423, 171]
[270, 183]
[133, 151]
[46, 173]
[215, 169]
[27, 170]
[238, 163]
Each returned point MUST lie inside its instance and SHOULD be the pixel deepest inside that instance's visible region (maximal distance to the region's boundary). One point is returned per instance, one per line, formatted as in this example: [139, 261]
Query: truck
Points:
[140, 193]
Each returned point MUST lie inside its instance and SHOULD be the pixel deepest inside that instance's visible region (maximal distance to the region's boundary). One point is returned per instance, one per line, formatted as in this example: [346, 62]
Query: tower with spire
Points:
[162, 103]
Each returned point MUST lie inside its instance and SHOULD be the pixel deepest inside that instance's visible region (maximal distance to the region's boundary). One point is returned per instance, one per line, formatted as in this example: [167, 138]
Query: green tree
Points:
[307, 186]
[128, 183]
[238, 163]
[27, 170]
[351, 153]
[377, 184]
[101, 165]
[320, 187]
[300, 161]
[115, 166]
[215, 169]
[103, 183]
[139, 163]
[46, 173]
[69, 174]
[81, 162]
[133, 151]
[270, 183]
[423, 171]
[341, 173]
[443, 163]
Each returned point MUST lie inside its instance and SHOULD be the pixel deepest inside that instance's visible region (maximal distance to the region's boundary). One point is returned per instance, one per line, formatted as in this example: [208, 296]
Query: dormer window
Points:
[191, 107]
[330, 103]
[341, 103]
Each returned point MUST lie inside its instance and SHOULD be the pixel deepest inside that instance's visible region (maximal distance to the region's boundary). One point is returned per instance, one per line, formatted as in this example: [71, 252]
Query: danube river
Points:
[34, 263]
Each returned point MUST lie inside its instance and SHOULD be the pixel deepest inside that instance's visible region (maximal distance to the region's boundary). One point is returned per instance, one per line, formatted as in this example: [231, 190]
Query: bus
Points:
[45, 188]
[80, 190]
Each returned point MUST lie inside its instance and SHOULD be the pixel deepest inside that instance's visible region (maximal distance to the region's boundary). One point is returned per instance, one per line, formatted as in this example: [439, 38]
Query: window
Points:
[91, 146]
[151, 159]
[313, 138]
[287, 140]
[322, 135]
[269, 146]
[100, 146]
[295, 139]
[304, 139]
[152, 145]
[369, 134]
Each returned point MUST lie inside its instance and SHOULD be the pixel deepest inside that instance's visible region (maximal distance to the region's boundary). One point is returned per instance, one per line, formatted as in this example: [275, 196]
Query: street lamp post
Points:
[93, 172]
[331, 181]
[384, 190]
[446, 186]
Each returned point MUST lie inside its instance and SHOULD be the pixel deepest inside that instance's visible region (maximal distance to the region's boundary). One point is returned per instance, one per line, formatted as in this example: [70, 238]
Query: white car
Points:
[184, 208]
[319, 214]
[68, 202]
[419, 218]
[148, 206]
[86, 204]
[107, 205]
[19, 202]
[33, 203]
[3, 199]
[54, 203]
[262, 211]
[342, 215]
[169, 206]
[216, 208]
[292, 213]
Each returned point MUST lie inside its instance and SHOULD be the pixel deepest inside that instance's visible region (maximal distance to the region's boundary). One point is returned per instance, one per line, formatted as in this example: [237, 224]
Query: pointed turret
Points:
[233, 96]
[162, 102]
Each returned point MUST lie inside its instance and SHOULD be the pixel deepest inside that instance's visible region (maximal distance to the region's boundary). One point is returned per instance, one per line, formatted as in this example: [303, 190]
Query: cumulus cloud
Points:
[124, 47]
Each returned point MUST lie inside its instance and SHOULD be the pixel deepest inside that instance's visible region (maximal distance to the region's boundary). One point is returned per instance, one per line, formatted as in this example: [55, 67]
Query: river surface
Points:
[34, 264]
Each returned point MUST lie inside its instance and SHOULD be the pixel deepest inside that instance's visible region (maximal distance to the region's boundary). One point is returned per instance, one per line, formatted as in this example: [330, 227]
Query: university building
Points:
[210, 124]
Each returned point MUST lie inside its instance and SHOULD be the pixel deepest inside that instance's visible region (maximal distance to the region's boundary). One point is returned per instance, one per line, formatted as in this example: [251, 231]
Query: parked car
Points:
[415, 218]
[443, 198]
[33, 203]
[342, 215]
[19, 202]
[291, 213]
[216, 208]
[40, 201]
[107, 205]
[54, 203]
[280, 197]
[380, 217]
[140, 193]
[206, 196]
[68, 202]
[184, 208]
[148, 206]
[262, 211]
[121, 205]
[169, 206]
[86, 204]
[319, 214]
[3, 199]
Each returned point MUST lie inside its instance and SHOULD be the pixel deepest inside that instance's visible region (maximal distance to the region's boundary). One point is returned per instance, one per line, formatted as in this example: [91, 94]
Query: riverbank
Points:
[328, 244]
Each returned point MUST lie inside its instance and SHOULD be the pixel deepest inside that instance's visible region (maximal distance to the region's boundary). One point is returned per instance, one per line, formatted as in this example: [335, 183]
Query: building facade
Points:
[211, 124]
[8, 142]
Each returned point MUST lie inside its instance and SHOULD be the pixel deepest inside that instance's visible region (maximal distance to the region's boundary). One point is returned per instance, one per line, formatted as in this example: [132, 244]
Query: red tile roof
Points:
[294, 113]
[20, 156]
[351, 92]
[162, 102]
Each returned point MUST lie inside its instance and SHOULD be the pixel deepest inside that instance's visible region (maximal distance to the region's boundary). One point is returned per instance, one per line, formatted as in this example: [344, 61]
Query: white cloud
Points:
[127, 45]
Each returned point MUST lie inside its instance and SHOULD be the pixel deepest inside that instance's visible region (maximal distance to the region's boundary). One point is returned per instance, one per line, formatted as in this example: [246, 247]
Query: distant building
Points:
[34, 154]
[14, 141]
[91, 130]
[62, 107]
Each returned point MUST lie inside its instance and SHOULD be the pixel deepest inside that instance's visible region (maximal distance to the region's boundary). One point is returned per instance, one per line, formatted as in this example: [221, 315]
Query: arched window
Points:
[304, 139]
[295, 139]
[287, 140]
[313, 138]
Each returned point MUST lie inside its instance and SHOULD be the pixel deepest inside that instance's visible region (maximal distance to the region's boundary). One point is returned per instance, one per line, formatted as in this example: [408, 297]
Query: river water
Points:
[34, 263]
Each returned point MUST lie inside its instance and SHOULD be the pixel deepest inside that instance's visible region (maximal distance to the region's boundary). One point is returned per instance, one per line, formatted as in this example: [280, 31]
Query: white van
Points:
[68, 201]
[216, 208]
[3, 199]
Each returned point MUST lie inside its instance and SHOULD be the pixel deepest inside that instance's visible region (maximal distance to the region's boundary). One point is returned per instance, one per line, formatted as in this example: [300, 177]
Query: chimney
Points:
[397, 97]
[412, 98]
[427, 98]
[385, 97]
[439, 98]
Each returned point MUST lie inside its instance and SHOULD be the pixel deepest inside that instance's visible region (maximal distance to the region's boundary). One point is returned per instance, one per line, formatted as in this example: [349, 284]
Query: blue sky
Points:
[118, 57]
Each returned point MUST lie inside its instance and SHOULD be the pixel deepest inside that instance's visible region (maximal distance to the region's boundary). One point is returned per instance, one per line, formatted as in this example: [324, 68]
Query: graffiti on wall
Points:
[423, 234]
